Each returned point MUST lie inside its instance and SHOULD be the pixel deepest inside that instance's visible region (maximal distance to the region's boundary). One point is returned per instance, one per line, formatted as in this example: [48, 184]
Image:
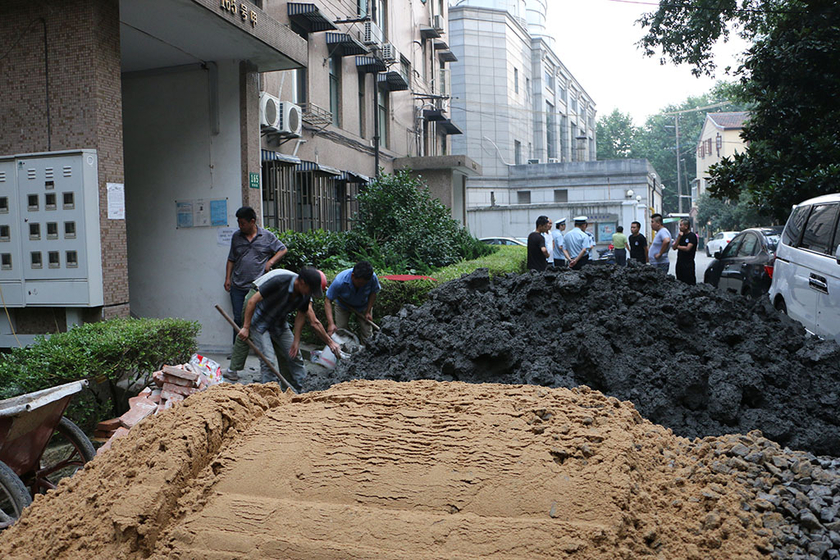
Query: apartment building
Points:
[720, 137]
[531, 126]
[373, 95]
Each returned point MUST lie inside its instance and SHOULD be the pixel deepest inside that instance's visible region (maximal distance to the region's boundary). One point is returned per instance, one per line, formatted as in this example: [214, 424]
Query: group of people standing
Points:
[572, 249]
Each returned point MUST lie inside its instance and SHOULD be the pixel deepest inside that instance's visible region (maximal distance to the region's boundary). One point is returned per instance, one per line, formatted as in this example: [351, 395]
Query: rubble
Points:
[691, 358]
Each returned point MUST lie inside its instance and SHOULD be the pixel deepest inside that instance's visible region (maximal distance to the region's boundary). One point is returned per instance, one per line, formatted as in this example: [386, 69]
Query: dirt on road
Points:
[397, 470]
[693, 359]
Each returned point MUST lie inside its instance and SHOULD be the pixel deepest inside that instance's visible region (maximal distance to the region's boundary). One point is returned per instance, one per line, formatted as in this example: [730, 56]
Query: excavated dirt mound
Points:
[406, 470]
[693, 359]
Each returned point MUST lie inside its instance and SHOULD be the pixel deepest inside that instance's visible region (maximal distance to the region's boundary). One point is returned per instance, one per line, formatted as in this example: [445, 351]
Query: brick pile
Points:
[172, 384]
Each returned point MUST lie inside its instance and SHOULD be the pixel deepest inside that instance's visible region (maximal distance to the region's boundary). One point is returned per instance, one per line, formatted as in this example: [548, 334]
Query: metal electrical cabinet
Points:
[50, 251]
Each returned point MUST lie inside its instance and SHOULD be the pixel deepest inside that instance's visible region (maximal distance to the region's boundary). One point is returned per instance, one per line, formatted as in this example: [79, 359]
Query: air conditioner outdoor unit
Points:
[291, 119]
[553, 160]
[533, 161]
[269, 112]
[389, 52]
[437, 22]
[373, 35]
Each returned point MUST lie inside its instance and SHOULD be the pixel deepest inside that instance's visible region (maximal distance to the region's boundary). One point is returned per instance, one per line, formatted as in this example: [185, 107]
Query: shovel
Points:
[359, 314]
[253, 346]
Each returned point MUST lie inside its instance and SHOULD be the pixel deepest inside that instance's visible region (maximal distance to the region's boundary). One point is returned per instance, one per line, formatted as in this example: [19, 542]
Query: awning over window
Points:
[440, 44]
[305, 166]
[310, 17]
[352, 177]
[448, 127]
[434, 115]
[370, 65]
[393, 81]
[427, 32]
[447, 56]
[268, 155]
[343, 44]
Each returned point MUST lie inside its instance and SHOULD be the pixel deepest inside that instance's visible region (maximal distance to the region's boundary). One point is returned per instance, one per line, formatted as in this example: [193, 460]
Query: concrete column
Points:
[249, 126]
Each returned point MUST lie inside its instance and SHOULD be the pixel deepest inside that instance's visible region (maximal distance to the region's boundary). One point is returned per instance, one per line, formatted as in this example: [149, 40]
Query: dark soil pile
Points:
[693, 359]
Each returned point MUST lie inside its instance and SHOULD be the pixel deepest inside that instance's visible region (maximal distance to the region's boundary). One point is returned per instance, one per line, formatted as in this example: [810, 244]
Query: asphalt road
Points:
[701, 261]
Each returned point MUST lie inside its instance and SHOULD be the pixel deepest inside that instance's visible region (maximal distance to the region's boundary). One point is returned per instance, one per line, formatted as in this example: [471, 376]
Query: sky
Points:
[596, 40]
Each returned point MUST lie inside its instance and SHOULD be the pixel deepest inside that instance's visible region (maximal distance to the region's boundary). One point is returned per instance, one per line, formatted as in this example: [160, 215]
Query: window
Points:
[551, 149]
[49, 201]
[52, 230]
[32, 202]
[52, 259]
[335, 90]
[69, 230]
[362, 8]
[6, 260]
[561, 195]
[35, 259]
[818, 232]
[517, 152]
[523, 197]
[4, 204]
[793, 229]
[527, 88]
[5, 233]
[380, 16]
[732, 248]
[300, 86]
[34, 232]
[69, 201]
[749, 247]
[72, 259]
[383, 119]
[362, 83]
[516, 80]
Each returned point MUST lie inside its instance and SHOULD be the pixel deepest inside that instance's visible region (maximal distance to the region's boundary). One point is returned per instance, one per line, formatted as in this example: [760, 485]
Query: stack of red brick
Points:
[172, 385]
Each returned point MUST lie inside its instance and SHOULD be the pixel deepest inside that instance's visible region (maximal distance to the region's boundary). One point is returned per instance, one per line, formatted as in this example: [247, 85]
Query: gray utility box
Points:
[50, 252]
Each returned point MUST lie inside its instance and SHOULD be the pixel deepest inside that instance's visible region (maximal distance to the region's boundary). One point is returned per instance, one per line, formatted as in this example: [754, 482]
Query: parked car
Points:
[720, 240]
[745, 266]
[806, 276]
[503, 241]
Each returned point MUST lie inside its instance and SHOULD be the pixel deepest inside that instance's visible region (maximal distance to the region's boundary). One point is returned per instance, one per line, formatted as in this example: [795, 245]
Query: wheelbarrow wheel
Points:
[13, 496]
[68, 450]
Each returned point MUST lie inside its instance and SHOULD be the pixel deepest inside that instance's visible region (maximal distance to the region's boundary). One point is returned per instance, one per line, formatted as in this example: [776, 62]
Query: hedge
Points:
[104, 352]
[394, 295]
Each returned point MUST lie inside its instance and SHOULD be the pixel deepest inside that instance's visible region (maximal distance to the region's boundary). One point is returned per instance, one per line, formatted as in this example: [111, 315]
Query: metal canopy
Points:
[352, 177]
[392, 81]
[427, 32]
[370, 65]
[307, 166]
[270, 155]
[309, 17]
[434, 115]
[441, 44]
[448, 127]
[343, 44]
[447, 56]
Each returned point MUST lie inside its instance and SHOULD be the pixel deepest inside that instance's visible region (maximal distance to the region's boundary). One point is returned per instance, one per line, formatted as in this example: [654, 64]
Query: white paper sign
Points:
[116, 201]
[223, 236]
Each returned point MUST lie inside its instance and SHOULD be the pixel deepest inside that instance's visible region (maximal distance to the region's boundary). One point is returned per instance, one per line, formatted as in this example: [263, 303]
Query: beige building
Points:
[720, 138]
[373, 95]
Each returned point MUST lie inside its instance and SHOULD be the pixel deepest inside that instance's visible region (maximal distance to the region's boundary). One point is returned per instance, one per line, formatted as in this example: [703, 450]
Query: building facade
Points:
[719, 138]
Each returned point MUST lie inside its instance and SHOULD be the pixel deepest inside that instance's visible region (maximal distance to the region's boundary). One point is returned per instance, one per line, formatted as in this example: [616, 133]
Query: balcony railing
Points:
[315, 115]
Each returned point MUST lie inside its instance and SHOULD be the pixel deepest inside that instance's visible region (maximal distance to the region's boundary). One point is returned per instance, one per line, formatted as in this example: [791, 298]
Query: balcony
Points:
[315, 115]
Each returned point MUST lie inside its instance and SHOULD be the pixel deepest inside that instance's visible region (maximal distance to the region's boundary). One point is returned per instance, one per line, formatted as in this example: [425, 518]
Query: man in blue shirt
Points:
[353, 291]
[559, 257]
[577, 244]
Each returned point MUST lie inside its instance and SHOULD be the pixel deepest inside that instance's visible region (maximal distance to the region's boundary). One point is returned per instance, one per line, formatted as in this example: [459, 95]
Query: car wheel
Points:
[780, 306]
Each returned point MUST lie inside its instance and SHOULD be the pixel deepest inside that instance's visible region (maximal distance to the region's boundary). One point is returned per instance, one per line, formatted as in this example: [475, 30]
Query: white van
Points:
[806, 273]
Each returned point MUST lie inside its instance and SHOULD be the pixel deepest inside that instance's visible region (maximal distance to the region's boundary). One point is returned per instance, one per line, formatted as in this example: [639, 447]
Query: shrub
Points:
[104, 352]
[319, 248]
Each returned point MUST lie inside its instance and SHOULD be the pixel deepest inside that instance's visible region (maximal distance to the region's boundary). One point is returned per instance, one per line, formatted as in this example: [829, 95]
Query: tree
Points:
[723, 215]
[616, 136]
[792, 76]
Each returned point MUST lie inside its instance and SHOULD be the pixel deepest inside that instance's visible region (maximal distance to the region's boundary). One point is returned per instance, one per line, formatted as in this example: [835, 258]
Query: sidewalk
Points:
[251, 373]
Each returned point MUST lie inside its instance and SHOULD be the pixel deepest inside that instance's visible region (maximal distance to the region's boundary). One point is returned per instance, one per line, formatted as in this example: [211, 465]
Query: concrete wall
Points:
[172, 155]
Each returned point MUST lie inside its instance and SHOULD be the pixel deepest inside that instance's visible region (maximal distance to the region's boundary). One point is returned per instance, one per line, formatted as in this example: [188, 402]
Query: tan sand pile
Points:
[395, 470]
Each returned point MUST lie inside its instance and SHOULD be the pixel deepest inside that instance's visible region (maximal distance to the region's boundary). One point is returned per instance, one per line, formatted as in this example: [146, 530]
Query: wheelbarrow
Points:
[38, 447]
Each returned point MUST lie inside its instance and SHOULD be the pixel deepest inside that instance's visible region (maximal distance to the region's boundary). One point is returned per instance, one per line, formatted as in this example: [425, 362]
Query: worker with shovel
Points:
[267, 306]
[354, 292]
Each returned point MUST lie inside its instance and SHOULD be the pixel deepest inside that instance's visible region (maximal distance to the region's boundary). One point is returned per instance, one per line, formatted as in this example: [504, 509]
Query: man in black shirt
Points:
[537, 253]
[686, 246]
[637, 243]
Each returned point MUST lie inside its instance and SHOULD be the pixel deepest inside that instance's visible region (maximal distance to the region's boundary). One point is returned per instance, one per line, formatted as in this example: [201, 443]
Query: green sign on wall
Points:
[255, 180]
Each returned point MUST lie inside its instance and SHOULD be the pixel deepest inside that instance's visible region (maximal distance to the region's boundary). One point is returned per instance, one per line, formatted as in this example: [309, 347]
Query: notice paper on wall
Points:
[201, 213]
[116, 201]
[224, 235]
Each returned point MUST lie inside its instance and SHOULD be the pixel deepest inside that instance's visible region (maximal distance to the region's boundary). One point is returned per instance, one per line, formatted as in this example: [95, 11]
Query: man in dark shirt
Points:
[686, 246]
[637, 243]
[537, 253]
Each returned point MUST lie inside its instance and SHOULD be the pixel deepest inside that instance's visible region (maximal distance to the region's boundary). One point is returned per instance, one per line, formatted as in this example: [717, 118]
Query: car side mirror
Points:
[718, 254]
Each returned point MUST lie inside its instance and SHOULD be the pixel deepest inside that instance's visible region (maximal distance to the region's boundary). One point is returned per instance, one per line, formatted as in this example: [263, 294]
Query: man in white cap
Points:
[557, 235]
[577, 244]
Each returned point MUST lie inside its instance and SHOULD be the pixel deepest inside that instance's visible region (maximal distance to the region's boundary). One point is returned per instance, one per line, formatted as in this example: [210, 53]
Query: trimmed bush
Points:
[104, 352]
[325, 250]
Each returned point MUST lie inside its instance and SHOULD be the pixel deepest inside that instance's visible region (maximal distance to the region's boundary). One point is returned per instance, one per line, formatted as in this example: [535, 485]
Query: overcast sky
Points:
[596, 41]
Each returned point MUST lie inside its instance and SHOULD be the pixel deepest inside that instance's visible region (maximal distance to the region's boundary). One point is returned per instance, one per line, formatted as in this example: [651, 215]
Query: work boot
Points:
[231, 375]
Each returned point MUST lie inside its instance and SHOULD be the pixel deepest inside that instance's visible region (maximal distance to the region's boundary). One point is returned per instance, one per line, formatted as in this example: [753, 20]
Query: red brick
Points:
[179, 372]
[178, 390]
[140, 408]
[158, 378]
[172, 380]
[109, 425]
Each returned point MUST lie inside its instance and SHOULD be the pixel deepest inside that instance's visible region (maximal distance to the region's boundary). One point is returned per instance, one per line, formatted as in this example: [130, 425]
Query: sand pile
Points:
[412, 470]
[690, 358]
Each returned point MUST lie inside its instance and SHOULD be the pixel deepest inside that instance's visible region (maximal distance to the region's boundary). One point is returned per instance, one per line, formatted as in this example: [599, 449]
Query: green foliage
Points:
[722, 215]
[319, 248]
[105, 351]
[616, 136]
[793, 150]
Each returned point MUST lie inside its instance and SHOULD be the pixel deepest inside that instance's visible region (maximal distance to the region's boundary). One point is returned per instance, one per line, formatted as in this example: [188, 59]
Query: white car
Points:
[503, 241]
[719, 242]
[806, 272]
